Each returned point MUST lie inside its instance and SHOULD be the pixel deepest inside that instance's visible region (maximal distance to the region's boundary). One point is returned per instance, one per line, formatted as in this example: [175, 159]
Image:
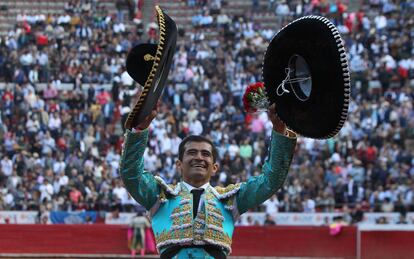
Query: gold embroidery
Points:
[210, 197]
[148, 57]
[215, 221]
[228, 188]
[163, 197]
[198, 237]
[213, 209]
[172, 186]
[173, 235]
[207, 227]
[179, 221]
[180, 209]
[230, 202]
[216, 237]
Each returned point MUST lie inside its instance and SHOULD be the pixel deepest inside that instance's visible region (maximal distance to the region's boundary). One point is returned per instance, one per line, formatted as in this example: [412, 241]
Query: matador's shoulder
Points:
[171, 189]
[228, 191]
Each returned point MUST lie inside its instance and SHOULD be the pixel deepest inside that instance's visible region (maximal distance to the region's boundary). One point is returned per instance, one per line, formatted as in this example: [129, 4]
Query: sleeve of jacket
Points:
[274, 171]
[140, 184]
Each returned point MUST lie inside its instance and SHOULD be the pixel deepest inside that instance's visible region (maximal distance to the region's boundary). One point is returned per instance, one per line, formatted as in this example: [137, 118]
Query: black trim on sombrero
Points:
[313, 101]
[149, 65]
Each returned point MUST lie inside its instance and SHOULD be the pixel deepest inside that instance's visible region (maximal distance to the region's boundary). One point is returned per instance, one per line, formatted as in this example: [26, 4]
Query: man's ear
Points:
[216, 167]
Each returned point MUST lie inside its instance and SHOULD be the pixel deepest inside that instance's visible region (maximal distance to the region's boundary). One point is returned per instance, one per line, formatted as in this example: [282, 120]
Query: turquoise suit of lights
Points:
[171, 206]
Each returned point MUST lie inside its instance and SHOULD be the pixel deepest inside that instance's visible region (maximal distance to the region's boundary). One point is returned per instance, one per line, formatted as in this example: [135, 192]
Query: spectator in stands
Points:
[271, 205]
[357, 214]
[269, 221]
[402, 219]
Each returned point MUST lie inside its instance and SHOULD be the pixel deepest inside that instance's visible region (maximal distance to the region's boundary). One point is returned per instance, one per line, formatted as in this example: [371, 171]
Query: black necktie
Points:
[196, 200]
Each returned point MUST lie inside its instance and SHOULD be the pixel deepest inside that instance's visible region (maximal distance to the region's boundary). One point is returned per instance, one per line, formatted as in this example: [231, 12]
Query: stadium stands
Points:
[65, 94]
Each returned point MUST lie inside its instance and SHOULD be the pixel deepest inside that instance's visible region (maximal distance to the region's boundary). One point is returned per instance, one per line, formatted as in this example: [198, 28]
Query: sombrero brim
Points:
[158, 73]
[315, 39]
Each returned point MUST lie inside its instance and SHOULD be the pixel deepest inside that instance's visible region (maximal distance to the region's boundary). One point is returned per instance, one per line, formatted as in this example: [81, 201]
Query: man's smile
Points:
[198, 165]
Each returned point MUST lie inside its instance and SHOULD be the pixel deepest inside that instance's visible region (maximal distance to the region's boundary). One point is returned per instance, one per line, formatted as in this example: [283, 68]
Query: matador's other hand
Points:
[278, 125]
[147, 121]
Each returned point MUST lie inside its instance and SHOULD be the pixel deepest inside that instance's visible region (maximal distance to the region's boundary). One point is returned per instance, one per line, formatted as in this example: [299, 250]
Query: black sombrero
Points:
[149, 65]
[305, 72]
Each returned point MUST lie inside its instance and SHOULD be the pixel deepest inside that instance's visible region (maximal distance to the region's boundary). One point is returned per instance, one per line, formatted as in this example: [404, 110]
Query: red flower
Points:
[254, 97]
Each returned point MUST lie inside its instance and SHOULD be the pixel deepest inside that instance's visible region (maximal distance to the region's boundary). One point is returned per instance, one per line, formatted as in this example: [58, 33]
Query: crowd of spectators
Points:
[60, 149]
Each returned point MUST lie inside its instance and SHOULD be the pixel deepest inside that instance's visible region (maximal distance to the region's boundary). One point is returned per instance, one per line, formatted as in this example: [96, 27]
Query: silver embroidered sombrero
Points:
[149, 65]
[305, 72]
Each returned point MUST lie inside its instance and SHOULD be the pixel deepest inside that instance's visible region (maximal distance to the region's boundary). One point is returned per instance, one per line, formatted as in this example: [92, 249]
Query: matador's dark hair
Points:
[196, 138]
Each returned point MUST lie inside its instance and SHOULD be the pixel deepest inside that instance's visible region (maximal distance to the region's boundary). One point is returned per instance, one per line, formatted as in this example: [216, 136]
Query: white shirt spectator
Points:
[175, 142]
[121, 193]
[21, 17]
[40, 18]
[150, 161]
[84, 32]
[31, 18]
[119, 27]
[222, 177]
[46, 191]
[32, 125]
[165, 144]
[389, 61]
[272, 205]
[59, 166]
[48, 144]
[64, 19]
[380, 22]
[267, 33]
[14, 180]
[357, 64]
[54, 122]
[6, 166]
[282, 9]
[114, 167]
[223, 19]
[195, 127]
[159, 132]
[34, 76]
[233, 150]
[126, 79]
[63, 179]
[26, 59]
[216, 99]
[59, 32]
[9, 199]
[309, 206]
[356, 49]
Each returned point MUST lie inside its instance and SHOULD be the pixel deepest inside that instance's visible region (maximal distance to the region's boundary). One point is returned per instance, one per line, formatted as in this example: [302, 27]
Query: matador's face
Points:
[197, 165]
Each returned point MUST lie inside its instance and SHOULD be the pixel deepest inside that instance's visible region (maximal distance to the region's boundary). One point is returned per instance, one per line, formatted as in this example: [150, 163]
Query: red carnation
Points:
[254, 98]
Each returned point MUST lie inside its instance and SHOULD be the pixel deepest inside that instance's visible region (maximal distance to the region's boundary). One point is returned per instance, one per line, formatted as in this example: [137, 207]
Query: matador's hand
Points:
[278, 125]
[147, 121]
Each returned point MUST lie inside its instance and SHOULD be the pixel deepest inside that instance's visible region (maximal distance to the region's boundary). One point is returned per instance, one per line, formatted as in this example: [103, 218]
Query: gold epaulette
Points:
[229, 190]
[167, 188]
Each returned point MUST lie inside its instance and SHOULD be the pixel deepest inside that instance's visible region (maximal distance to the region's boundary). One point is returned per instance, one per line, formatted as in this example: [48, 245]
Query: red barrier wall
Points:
[110, 239]
[294, 241]
[71, 239]
[387, 244]
[248, 241]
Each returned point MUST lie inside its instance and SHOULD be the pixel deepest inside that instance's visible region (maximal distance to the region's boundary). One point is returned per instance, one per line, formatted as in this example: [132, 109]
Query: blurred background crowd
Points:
[60, 148]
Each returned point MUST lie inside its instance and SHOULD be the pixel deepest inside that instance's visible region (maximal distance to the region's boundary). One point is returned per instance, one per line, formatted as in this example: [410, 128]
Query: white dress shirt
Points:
[190, 187]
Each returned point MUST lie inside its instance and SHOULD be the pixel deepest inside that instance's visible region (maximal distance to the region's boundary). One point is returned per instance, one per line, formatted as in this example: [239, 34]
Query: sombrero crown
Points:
[149, 65]
[305, 72]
